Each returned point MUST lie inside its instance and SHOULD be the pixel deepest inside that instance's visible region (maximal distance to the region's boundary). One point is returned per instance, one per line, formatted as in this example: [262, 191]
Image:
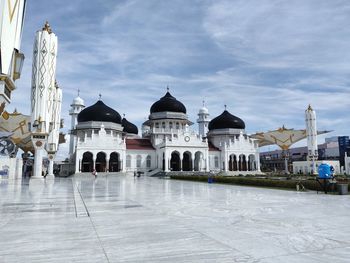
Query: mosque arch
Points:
[175, 162]
[114, 162]
[128, 161]
[101, 162]
[251, 163]
[87, 163]
[232, 164]
[138, 161]
[216, 162]
[187, 161]
[198, 161]
[148, 161]
[242, 163]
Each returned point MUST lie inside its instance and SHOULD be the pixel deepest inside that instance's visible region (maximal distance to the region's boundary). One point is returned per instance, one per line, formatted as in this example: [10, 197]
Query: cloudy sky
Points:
[266, 59]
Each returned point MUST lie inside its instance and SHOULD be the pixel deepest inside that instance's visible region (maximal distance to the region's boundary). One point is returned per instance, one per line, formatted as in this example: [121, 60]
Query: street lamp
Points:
[17, 69]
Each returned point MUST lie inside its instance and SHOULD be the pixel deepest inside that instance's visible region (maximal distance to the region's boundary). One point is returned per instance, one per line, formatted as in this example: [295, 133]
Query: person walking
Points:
[94, 173]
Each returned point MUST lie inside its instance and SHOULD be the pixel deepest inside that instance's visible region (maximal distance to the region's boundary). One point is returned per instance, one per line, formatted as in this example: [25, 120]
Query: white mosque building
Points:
[102, 140]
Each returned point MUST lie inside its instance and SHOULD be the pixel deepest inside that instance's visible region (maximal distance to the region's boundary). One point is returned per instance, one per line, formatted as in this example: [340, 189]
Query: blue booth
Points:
[325, 171]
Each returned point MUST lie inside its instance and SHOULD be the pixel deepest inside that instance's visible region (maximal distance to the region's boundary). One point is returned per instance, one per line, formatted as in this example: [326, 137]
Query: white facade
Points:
[11, 60]
[305, 167]
[46, 99]
[167, 143]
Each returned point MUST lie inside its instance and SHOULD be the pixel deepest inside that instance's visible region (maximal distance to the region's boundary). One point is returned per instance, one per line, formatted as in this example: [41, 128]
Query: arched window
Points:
[148, 161]
[163, 125]
[216, 162]
[138, 161]
[177, 125]
[157, 125]
[170, 125]
[128, 161]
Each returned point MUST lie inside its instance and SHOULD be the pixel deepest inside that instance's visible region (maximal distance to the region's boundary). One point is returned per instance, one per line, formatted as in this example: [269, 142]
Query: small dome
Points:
[99, 112]
[203, 110]
[226, 121]
[78, 101]
[168, 103]
[129, 127]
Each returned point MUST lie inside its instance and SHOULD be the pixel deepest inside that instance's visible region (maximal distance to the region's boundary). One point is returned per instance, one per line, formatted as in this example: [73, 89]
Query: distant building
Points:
[334, 149]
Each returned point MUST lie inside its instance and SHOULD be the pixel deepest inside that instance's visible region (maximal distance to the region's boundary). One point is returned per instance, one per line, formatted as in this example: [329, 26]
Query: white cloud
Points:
[267, 60]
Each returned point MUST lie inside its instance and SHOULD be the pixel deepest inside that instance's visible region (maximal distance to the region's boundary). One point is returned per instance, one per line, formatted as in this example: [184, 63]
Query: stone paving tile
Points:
[119, 218]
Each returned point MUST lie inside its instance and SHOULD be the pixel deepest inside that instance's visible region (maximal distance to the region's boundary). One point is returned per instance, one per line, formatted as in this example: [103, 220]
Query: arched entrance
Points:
[87, 163]
[114, 162]
[101, 162]
[198, 156]
[251, 163]
[242, 163]
[187, 162]
[233, 163]
[175, 161]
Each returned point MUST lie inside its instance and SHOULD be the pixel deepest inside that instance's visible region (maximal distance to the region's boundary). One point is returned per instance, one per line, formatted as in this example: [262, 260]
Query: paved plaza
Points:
[120, 218]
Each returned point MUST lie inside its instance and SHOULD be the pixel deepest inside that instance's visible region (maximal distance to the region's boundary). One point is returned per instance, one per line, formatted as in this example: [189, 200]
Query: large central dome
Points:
[226, 121]
[168, 103]
[99, 112]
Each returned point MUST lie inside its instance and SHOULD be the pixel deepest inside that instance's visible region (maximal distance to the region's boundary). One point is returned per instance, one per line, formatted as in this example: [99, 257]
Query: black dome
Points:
[168, 103]
[99, 112]
[226, 120]
[129, 127]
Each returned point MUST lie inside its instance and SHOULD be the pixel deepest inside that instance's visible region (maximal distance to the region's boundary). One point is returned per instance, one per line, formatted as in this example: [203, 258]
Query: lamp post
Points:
[17, 69]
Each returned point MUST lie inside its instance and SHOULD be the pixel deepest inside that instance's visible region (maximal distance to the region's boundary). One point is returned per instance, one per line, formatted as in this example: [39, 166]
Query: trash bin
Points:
[342, 189]
[210, 180]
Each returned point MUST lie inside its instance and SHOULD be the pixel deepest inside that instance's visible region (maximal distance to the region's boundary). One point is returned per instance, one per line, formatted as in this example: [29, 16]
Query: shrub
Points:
[310, 184]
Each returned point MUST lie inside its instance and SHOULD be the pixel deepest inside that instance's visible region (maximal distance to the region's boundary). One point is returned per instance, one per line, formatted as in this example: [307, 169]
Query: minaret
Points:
[54, 127]
[76, 107]
[43, 92]
[11, 59]
[311, 132]
[203, 121]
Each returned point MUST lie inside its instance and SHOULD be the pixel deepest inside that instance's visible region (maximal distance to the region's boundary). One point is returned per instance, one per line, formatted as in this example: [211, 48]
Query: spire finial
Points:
[78, 92]
[47, 27]
[167, 88]
[56, 83]
[124, 115]
[203, 103]
[225, 106]
[309, 108]
[99, 96]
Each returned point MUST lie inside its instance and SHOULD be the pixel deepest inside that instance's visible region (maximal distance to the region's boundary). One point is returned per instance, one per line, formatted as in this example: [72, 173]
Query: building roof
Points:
[99, 112]
[139, 144]
[226, 120]
[168, 103]
[212, 147]
[129, 127]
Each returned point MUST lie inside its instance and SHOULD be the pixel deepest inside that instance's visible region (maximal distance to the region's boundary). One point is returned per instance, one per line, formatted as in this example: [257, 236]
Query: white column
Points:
[166, 162]
[38, 163]
[257, 162]
[107, 165]
[50, 168]
[207, 168]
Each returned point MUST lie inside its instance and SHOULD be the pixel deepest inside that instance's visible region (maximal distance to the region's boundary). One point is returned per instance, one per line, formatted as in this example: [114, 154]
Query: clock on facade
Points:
[187, 139]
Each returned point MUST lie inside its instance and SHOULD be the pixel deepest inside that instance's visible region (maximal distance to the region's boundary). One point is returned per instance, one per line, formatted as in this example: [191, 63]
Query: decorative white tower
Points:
[311, 131]
[54, 127]
[43, 92]
[76, 107]
[203, 121]
[11, 60]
